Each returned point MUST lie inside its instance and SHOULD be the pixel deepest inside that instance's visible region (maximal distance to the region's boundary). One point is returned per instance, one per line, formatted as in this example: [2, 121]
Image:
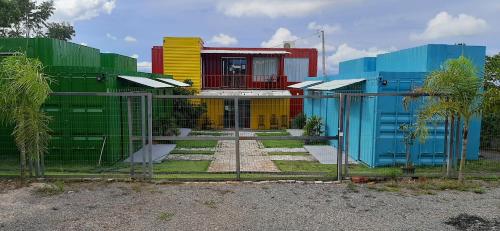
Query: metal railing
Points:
[244, 82]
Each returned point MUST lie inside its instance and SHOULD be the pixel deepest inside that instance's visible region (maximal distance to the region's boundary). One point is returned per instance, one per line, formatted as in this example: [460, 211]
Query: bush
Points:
[166, 127]
[313, 127]
[299, 121]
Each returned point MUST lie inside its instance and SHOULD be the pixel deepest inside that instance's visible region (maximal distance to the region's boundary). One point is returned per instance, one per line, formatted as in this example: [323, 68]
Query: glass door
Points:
[234, 72]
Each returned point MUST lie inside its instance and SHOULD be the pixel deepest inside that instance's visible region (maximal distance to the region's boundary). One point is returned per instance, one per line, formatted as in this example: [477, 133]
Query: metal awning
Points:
[335, 84]
[305, 84]
[145, 81]
[173, 82]
[245, 93]
[258, 52]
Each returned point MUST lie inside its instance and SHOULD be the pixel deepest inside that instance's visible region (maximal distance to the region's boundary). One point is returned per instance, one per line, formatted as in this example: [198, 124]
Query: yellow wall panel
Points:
[182, 59]
[215, 112]
[266, 108]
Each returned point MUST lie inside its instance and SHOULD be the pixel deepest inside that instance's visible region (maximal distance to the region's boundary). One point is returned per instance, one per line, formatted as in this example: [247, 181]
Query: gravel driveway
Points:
[242, 206]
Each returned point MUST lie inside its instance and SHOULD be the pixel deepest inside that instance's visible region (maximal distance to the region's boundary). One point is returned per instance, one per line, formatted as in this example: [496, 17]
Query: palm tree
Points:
[453, 90]
[23, 90]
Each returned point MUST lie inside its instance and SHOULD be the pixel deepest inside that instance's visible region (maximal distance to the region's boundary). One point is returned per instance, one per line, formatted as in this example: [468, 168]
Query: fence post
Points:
[341, 137]
[347, 116]
[150, 134]
[130, 134]
[237, 136]
[143, 134]
[458, 137]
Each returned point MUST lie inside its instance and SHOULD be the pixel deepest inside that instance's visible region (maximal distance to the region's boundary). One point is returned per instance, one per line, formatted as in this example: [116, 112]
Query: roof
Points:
[145, 81]
[335, 84]
[233, 51]
[305, 84]
[245, 93]
[173, 82]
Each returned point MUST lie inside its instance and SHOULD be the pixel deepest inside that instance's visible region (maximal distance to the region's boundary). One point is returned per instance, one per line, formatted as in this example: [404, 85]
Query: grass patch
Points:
[304, 166]
[211, 204]
[288, 153]
[283, 143]
[165, 216]
[55, 188]
[199, 133]
[196, 144]
[192, 152]
[283, 133]
[182, 166]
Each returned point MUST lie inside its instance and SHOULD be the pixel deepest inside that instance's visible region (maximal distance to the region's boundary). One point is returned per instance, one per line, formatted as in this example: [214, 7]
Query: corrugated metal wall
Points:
[157, 59]
[266, 108]
[296, 69]
[182, 59]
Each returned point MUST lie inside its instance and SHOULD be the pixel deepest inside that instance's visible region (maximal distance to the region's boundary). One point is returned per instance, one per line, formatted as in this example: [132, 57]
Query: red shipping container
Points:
[157, 59]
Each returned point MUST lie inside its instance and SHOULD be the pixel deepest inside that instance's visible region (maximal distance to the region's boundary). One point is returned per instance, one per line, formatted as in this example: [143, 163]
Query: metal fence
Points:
[249, 137]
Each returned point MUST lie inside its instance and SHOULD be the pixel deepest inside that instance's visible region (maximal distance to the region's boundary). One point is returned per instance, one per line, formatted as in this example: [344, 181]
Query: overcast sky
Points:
[354, 28]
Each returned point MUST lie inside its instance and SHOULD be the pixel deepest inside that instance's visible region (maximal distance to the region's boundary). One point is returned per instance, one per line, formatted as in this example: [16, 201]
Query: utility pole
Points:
[323, 51]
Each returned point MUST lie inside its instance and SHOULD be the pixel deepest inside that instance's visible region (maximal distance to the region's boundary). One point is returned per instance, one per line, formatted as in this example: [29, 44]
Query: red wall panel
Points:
[157, 59]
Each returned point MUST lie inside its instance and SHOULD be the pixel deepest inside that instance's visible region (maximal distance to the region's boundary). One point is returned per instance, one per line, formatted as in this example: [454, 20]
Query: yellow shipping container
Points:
[182, 59]
[269, 113]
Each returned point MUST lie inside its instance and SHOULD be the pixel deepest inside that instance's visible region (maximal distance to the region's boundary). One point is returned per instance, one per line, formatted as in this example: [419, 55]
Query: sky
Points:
[353, 28]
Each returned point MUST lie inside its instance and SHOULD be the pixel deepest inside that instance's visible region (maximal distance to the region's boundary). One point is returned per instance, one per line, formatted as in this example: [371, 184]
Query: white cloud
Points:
[110, 36]
[129, 39]
[345, 52]
[446, 25]
[76, 10]
[223, 39]
[271, 8]
[135, 56]
[328, 47]
[282, 34]
[144, 66]
[328, 29]
[83, 44]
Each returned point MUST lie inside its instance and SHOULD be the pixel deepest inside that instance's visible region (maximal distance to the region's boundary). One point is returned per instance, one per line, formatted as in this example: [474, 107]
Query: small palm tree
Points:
[23, 90]
[453, 90]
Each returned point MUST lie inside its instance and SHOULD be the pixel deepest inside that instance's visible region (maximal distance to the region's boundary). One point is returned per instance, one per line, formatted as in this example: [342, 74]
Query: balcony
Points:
[244, 82]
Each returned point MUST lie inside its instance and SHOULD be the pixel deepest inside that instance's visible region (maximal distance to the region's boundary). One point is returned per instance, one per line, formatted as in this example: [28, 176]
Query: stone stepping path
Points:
[292, 158]
[285, 150]
[252, 158]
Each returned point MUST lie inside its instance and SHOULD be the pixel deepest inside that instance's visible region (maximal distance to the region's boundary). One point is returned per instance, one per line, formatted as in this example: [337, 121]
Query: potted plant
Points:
[409, 136]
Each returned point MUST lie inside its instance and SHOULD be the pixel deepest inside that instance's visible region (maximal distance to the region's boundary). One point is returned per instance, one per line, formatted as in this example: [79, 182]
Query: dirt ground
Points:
[242, 206]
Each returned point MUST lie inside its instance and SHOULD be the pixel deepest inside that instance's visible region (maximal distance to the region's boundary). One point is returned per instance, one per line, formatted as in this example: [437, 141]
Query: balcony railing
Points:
[244, 82]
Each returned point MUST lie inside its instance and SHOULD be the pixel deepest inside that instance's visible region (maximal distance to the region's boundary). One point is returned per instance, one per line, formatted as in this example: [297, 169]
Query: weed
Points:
[351, 187]
[51, 189]
[211, 204]
[165, 216]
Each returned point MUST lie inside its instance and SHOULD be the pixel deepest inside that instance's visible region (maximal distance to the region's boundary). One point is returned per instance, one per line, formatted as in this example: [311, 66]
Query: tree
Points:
[453, 90]
[26, 18]
[23, 90]
[62, 31]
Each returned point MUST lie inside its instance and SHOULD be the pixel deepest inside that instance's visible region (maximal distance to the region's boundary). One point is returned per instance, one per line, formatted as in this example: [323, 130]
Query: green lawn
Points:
[288, 153]
[192, 152]
[279, 143]
[304, 166]
[196, 143]
[182, 166]
[281, 133]
[210, 133]
[283, 143]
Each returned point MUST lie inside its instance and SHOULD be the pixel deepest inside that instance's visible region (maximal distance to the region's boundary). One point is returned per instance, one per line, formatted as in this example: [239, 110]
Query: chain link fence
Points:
[252, 137]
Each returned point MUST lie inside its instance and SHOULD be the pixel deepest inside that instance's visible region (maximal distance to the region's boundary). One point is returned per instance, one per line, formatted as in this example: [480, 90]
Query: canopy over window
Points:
[335, 84]
[145, 81]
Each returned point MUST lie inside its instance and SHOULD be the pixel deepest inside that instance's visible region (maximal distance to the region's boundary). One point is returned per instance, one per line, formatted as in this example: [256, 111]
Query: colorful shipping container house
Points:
[375, 137]
[223, 71]
[88, 129]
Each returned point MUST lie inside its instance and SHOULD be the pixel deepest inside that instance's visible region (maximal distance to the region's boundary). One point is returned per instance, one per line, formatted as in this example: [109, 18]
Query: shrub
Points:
[299, 121]
[313, 127]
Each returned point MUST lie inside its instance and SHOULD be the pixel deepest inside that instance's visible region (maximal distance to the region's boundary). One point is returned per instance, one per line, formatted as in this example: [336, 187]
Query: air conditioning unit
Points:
[289, 44]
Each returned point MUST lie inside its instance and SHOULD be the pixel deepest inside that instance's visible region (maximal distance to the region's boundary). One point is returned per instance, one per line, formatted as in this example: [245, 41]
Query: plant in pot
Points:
[409, 136]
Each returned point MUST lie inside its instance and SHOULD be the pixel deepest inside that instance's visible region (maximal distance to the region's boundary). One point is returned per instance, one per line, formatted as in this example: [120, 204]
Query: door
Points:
[234, 72]
[244, 113]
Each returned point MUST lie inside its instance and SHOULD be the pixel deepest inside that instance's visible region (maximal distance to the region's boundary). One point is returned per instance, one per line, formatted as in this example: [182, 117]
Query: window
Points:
[265, 69]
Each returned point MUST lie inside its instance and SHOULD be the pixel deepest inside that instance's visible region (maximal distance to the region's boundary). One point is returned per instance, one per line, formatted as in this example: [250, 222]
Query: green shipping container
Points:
[116, 62]
[53, 52]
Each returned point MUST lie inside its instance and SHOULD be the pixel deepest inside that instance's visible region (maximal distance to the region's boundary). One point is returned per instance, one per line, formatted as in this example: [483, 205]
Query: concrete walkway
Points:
[295, 132]
[325, 154]
[252, 158]
[159, 153]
